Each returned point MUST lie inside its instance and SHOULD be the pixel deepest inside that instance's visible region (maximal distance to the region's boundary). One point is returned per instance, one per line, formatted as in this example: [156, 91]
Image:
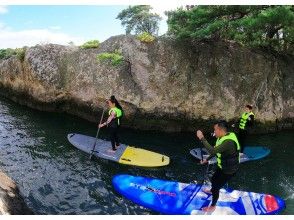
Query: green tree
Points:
[139, 19]
[262, 26]
[9, 52]
[6, 53]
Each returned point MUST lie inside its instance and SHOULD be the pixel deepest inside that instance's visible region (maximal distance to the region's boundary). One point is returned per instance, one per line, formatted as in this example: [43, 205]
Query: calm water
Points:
[56, 178]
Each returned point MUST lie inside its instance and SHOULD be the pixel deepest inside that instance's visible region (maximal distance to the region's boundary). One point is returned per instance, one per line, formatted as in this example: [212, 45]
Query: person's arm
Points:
[207, 145]
[219, 149]
[111, 116]
[211, 150]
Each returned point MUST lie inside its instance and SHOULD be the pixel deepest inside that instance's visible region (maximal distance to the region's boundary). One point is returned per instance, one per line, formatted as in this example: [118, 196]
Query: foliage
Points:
[257, 26]
[6, 53]
[146, 37]
[139, 19]
[116, 57]
[18, 52]
[90, 44]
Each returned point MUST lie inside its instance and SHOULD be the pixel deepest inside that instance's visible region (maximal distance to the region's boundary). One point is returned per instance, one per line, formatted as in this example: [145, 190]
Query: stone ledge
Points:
[11, 202]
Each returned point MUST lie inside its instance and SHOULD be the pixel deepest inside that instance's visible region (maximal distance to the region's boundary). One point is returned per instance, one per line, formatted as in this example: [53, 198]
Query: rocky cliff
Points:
[11, 202]
[166, 85]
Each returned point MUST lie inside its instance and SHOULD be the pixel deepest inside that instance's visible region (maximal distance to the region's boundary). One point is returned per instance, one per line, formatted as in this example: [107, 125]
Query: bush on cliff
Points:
[6, 53]
[90, 44]
[18, 52]
[115, 58]
[145, 37]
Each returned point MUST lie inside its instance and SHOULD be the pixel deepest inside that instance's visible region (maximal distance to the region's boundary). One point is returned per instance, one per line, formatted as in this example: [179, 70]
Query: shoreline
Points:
[86, 112]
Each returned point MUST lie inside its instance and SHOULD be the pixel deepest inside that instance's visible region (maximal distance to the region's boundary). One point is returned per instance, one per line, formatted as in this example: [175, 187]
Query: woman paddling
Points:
[113, 122]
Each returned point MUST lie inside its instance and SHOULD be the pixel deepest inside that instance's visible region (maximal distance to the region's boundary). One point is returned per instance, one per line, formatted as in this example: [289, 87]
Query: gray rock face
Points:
[167, 86]
[11, 202]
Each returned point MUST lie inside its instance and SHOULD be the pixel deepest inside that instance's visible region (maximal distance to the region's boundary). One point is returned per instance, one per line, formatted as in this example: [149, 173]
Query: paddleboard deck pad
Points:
[168, 197]
[250, 153]
[124, 154]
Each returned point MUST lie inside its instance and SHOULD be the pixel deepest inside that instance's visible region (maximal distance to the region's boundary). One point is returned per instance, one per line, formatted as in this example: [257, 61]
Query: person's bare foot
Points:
[111, 151]
[206, 190]
[208, 209]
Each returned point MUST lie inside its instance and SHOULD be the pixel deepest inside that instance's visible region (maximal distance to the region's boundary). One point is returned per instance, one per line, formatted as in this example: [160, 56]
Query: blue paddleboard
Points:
[169, 197]
[250, 153]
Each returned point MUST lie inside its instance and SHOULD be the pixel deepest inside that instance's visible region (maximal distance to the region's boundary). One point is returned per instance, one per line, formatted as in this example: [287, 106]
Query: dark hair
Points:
[249, 107]
[113, 100]
[222, 124]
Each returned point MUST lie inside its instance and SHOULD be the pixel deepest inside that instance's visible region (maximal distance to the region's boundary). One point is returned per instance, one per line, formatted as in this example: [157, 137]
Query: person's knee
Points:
[215, 190]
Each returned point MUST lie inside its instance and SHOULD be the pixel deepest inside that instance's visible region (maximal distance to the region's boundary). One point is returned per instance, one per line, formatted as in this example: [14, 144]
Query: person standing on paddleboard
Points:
[246, 121]
[113, 122]
[226, 150]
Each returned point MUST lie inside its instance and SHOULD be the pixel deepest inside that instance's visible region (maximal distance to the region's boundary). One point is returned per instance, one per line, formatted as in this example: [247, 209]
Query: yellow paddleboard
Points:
[144, 158]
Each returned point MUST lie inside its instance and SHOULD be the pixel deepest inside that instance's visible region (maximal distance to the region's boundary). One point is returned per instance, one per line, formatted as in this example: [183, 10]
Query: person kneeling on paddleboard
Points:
[226, 150]
[113, 122]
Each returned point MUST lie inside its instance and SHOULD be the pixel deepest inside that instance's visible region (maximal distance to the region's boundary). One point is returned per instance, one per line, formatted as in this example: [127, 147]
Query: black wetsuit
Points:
[113, 129]
[221, 176]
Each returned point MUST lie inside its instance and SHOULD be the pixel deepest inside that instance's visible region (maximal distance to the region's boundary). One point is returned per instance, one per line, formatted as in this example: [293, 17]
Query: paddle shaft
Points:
[205, 175]
[201, 153]
[202, 160]
[97, 134]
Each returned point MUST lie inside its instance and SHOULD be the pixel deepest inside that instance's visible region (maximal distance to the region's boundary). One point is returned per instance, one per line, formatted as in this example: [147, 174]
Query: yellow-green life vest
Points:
[234, 159]
[244, 119]
[118, 113]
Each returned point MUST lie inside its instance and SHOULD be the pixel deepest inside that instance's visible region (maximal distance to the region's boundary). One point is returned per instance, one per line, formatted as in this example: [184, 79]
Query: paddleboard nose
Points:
[281, 203]
[70, 135]
[273, 204]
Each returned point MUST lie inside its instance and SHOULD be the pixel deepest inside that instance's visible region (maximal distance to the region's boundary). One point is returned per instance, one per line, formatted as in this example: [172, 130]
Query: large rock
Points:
[168, 85]
[11, 202]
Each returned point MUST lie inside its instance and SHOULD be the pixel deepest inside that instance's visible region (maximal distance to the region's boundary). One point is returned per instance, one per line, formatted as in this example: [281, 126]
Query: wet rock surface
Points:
[11, 202]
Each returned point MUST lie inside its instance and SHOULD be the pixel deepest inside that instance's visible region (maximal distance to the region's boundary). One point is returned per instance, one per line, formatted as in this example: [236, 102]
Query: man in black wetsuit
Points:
[226, 151]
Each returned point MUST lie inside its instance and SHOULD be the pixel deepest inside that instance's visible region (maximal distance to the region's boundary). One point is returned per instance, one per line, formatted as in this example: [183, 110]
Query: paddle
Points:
[97, 134]
[204, 174]
[201, 152]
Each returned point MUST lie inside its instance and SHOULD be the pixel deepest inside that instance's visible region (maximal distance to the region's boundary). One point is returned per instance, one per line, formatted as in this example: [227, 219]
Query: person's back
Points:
[229, 157]
[116, 121]
[246, 121]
